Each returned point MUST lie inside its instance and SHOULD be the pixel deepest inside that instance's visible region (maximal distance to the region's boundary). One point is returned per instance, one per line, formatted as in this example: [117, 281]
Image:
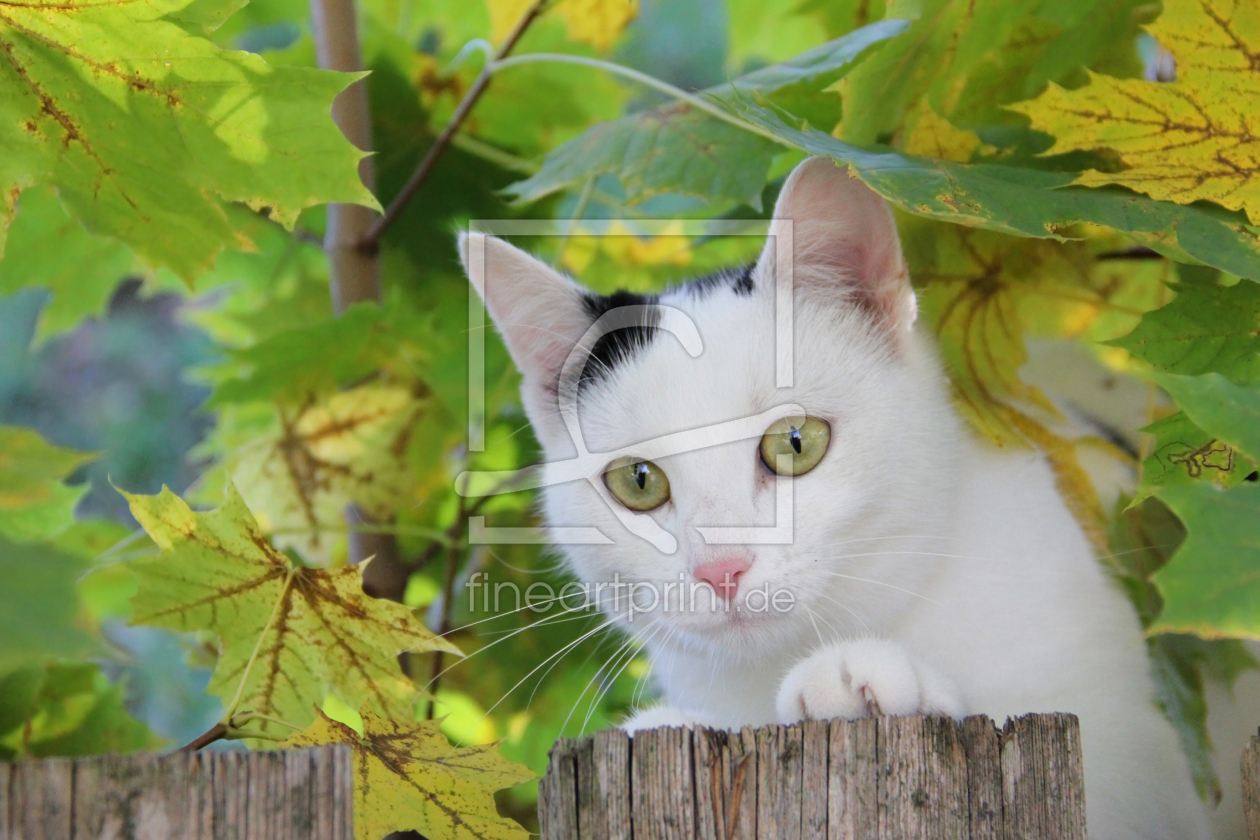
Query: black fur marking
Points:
[620, 344]
[738, 280]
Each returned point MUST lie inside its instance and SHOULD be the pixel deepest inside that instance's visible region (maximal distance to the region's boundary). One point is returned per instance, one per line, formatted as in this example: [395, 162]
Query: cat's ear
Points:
[537, 310]
[844, 242]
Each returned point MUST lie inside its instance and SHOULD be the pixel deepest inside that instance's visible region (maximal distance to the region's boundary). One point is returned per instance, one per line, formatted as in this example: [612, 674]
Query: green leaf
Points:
[144, 127]
[289, 634]
[935, 56]
[66, 710]
[1144, 535]
[293, 365]
[49, 249]
[675, 148]
[1028, 202]
[1179, 663]
[668, 149]
[1206, 329]
[1211, 587]
[1219, 407]
[34, 504]
[39, 609]
[1185, 454]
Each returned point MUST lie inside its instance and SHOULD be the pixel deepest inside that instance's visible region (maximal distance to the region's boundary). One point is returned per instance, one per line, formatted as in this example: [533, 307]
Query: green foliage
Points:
[1206, 329]
[139, 141]
[34, 504]
[675, 148]
[143, 125]
[1209, 585]
[38, 606]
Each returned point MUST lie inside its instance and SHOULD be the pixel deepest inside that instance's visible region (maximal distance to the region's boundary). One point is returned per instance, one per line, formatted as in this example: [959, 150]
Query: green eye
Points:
[639, 485]
[803, 439]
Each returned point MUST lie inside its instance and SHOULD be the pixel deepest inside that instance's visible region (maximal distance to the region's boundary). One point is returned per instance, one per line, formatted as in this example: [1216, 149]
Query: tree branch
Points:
[448, 595]
[215, 733]
[369, 244]
[354, 273]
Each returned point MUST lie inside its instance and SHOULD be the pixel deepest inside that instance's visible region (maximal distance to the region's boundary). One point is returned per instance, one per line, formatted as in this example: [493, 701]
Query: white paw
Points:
[658, 716]
[869, 677]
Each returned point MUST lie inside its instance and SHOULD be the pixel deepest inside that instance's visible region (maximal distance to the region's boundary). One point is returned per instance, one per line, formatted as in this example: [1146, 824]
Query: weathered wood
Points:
[984, 778]
[872, 779]
[923, 780]
[814, 764]
[852, 795]
[1250, 788]
[1043, 783]
[661, 785]
[230, 795]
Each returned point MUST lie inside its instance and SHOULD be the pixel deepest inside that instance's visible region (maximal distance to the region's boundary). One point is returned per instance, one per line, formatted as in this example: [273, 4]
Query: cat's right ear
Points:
[537, 310]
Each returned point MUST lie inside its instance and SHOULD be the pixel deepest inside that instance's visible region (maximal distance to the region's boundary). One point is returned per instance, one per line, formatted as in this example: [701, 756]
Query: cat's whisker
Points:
[884, 583]
[936, 554]
[609, 663]
[549, 619]
[558, 654]
[847, 609]
[608, 684]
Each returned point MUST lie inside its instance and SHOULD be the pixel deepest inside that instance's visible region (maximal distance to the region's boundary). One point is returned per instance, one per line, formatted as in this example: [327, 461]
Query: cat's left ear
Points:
[844, 243]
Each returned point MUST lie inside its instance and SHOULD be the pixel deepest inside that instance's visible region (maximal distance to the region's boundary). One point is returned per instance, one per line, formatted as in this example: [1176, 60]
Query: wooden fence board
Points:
[1250, 788]
[214, 795]
[872, 779]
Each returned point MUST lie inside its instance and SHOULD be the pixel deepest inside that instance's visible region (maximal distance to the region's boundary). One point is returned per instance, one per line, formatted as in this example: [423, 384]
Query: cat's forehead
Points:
[644, 383]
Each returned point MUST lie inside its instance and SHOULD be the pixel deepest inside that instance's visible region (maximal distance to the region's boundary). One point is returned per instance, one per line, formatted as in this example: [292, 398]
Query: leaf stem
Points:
[253, 656]
[215, 733]
[697, 102]
[371, 240]
[245, 717]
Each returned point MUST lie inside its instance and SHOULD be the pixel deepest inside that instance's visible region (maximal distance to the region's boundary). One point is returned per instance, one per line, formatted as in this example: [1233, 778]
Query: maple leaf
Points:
[347, 448]
[594, 22]
[143, 126]
[1210, 587]
[973, 284]
[1206, 329]
[1185, 454]
[34, 504]
[289, 634]
[407, 777]
[1222, 409]
[1194, 138]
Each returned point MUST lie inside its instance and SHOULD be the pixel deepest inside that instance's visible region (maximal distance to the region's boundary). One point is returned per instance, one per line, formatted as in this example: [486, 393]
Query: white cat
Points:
[927, 571]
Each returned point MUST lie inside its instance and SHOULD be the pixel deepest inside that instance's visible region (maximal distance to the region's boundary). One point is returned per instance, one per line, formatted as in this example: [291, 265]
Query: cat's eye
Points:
[639, 485]
[803, 440]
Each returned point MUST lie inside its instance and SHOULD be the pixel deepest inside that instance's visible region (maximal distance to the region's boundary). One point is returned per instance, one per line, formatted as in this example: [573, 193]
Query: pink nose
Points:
[722, 575]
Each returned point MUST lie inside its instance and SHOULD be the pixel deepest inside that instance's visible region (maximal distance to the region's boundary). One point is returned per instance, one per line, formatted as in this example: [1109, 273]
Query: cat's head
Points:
[667, 416]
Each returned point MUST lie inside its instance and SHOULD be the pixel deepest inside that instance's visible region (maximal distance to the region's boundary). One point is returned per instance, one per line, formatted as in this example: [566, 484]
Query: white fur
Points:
[931, 571]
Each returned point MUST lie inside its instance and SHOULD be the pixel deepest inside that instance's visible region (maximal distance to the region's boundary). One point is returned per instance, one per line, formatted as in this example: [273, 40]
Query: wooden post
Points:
[872, 779]
[1251, 787]
[212, 795]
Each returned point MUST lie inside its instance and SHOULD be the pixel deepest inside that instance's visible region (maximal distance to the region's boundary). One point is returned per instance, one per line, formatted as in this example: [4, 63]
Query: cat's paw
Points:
[868, 677]
[656, 716]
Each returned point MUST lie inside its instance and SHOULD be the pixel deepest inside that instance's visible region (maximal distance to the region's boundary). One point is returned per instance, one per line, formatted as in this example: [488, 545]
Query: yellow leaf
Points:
[931, 135]
[407, 777]
[346, 448]
[1195, 138]
[290, 634]
[626, 248]
[972, 286]
[594, 22]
